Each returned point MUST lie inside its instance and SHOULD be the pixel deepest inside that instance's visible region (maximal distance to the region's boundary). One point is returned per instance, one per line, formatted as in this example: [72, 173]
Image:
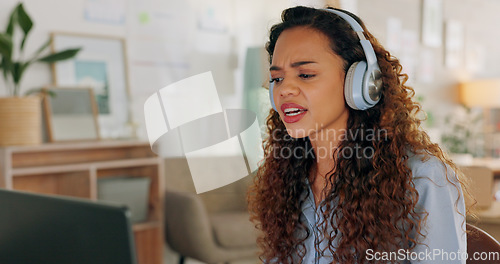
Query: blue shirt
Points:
[445, 240]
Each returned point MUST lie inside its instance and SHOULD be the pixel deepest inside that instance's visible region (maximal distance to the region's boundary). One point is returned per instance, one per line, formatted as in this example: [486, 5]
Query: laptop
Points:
[44, 229]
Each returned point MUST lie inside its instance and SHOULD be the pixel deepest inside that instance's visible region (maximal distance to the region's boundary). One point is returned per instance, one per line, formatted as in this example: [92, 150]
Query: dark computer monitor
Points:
[45, 229]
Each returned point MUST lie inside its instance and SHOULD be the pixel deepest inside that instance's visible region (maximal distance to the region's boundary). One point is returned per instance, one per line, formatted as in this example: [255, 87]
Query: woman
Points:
[344, 183]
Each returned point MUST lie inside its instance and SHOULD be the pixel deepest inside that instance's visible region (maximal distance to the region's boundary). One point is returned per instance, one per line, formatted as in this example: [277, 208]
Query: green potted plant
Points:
[20, 116]
[461, 133]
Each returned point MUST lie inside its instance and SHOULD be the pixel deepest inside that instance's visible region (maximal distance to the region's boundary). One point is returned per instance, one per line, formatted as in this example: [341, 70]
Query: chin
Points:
[296, 133]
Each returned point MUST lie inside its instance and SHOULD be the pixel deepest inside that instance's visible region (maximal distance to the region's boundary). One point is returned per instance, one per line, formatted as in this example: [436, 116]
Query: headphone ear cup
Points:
[353, 86]
[348, 86]
[271, 97]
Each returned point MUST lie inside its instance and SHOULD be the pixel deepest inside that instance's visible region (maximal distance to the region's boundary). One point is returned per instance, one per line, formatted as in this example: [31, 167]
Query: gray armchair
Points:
[212, 227]
[216, 238]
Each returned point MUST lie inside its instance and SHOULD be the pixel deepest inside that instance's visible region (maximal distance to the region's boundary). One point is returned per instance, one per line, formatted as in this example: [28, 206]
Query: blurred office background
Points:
[447, 48]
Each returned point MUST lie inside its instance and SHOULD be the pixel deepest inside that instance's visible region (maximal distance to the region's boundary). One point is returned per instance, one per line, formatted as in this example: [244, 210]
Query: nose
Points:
[288, 88]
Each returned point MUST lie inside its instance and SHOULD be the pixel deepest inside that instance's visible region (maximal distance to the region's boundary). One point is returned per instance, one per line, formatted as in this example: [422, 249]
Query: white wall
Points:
[158, 54]
[179, 50]
[480, 31]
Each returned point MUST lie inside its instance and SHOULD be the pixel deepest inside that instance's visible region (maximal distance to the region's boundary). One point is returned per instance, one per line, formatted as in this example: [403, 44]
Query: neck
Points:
[323, 151]
[324, 145]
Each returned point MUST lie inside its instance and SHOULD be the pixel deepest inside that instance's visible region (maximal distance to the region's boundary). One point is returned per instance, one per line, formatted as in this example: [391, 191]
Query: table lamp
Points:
[482, 93]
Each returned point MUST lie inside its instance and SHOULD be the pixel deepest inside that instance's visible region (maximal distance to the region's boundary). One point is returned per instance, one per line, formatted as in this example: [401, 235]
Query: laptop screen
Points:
[41, 229]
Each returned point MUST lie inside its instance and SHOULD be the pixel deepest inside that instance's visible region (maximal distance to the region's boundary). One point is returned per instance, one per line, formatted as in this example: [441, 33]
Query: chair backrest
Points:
[231, 197]
[481, 184]
[485, 245]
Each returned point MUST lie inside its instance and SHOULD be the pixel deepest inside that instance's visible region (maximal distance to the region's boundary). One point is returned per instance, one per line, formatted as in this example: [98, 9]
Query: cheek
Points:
[328, 96]
[338, 93]
[332, 102]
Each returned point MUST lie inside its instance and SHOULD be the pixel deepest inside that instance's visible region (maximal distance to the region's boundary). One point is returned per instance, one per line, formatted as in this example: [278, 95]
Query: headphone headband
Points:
[371, 58]
[349, 19]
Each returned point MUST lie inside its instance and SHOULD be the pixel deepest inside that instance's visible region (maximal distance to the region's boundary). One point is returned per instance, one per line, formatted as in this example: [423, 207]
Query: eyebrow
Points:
[293, 65]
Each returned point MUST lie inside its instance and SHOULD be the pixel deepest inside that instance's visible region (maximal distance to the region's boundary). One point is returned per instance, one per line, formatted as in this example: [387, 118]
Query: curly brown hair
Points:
[374, 195]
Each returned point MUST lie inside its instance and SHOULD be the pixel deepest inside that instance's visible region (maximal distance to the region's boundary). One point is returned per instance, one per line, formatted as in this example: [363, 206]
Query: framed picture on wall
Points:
[454, 44]
[432, 23]
[70, 114]
[101, 65]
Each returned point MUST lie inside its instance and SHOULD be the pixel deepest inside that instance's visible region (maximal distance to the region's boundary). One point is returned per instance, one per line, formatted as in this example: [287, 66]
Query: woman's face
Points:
[308, 83]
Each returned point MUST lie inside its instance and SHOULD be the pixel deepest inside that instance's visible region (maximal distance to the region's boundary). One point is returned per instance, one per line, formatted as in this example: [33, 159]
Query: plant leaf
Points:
[24, 19]
[12, 21]
[5, 70]
[59, 56]
[25, 23]
[5, 45]
[6, 67]
[17, 71]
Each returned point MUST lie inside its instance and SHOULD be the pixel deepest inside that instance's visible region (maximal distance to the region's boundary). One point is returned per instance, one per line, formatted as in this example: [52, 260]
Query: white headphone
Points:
[363, 81]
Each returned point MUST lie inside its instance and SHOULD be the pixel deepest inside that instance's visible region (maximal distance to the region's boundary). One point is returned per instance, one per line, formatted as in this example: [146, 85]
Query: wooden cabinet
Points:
[73, 169]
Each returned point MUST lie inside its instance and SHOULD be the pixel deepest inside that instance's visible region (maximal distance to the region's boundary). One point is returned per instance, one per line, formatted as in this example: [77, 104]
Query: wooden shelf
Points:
[16, 172]
[19, 172]
[146, 226]
[73, 169]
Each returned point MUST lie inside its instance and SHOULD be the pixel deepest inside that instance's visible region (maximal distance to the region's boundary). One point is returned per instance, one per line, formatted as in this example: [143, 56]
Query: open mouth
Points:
[294, 111]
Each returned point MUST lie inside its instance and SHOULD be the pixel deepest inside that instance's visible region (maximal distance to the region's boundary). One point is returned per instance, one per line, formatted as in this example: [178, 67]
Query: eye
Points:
[275, 80]
[306, 76]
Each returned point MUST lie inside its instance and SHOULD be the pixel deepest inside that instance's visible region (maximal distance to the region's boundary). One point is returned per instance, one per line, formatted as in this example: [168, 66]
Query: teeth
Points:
[288, 111]
[294, 114]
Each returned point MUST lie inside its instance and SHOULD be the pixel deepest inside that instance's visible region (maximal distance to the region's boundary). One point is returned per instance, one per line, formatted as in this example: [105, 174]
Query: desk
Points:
[492, 163]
